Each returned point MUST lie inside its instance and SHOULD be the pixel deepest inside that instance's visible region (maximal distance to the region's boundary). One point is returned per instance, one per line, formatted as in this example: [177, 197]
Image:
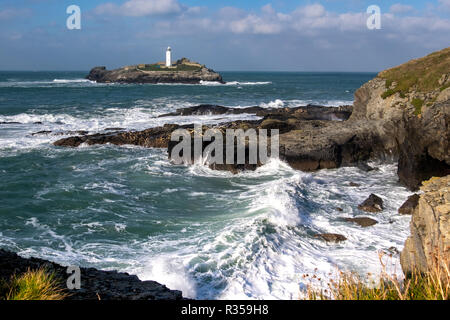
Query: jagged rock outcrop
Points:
[153, 75]
[95, 284]
[430, 228]
[401, 107]
[372, 204]
[151, 138]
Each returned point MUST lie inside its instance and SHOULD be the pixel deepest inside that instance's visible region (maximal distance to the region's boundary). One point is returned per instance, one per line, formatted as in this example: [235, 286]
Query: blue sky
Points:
[328, 35]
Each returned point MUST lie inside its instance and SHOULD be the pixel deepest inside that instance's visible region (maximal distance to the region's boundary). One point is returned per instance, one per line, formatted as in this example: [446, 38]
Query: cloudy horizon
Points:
[225, 35]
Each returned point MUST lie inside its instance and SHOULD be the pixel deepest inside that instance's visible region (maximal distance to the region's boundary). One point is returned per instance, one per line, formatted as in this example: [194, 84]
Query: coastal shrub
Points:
[33, 285]
[388, 93]
[389, 83]
[417, 103]
[432, 285]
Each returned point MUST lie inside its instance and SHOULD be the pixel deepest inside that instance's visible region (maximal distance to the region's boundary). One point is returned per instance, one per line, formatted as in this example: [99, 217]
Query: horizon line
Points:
[284, 71]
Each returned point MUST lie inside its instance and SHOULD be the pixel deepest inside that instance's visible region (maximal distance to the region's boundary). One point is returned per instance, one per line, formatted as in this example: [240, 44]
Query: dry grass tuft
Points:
[433, 285]
[33, 285]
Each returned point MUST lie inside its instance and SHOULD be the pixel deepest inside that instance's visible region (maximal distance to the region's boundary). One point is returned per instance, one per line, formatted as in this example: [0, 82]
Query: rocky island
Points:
[182, 71]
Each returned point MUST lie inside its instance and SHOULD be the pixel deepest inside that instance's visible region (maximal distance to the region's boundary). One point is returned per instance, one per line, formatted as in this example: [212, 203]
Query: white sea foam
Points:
[235, 83]
[73, 81]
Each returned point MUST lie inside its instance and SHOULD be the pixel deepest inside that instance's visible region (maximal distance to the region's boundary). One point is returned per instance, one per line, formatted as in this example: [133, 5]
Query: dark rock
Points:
[95, 284]
[392, 251]
[44, 132]
[409, 205]
[280, 115]
[331, 237]
[114, 129]
[364, 166]
[151, 138]
[61, 133]
[362, 221]
[372, 204]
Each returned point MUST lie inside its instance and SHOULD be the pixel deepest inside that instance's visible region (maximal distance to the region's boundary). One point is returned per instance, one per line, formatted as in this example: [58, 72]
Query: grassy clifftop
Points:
[424, 75]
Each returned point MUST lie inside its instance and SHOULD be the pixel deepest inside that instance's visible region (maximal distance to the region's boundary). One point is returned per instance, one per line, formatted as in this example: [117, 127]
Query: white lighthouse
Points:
[168, 57]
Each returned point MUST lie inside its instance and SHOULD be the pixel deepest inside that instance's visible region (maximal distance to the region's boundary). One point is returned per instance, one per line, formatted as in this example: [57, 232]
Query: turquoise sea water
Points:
[210, 234]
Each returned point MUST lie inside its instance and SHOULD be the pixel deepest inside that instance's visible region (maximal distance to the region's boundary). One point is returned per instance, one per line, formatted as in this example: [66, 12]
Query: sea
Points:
[210, 234]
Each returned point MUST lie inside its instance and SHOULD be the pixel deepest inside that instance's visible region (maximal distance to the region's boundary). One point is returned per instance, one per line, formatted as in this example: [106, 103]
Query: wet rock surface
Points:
[95, 284]
[372, 204]
[410, 205]
[362, 221]
[331, 237]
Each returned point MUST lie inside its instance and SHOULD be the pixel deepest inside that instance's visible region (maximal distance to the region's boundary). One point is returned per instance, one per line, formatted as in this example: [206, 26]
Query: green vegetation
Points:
[180, 67]
[32, 285]
[421, 74]
[417, 103]
[433, 285]
[388, 93]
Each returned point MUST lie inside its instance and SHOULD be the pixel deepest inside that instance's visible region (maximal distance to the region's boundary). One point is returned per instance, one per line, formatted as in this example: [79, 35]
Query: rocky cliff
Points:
[183, 72]
[408, 109]
[430, 228]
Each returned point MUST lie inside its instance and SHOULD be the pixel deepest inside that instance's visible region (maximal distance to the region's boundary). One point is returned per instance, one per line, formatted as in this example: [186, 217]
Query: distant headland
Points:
[182, 71]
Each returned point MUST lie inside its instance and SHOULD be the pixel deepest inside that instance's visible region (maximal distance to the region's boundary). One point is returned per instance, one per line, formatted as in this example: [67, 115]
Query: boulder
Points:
[362, 221]
[331, 237]
[372, 204]
[410, 205]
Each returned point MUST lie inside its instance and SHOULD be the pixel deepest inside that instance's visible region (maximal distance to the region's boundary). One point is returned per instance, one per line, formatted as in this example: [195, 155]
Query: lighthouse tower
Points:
[168, 57]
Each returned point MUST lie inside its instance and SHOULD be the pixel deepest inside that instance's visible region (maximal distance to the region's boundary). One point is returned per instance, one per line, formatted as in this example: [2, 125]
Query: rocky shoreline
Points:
[95, 284]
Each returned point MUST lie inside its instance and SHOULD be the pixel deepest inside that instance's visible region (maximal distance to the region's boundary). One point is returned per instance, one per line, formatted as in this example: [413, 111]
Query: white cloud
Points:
[445, 4]
[139, 8]
[312, 11]
[256, 25]
[400, 8]
[12, 13]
